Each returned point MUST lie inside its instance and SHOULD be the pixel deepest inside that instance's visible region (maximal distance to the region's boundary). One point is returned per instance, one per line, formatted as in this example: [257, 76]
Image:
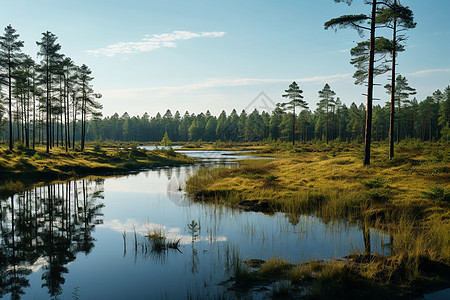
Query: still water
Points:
[86, 239]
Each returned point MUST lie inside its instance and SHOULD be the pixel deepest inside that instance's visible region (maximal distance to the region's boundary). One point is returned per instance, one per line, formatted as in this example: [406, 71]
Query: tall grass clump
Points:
[97, 146]
[157, 242]
[204, 177]
[275, 267]
[10, 188]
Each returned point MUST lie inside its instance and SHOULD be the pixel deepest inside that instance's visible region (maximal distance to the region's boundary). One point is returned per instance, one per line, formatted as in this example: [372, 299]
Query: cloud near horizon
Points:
[427, 72]
[153, 42]
[220, 83]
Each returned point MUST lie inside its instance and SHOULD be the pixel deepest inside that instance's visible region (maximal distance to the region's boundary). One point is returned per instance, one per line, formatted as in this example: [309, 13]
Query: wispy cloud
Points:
[220, 83]
[427, 72]
[152, 42]
[346, 50]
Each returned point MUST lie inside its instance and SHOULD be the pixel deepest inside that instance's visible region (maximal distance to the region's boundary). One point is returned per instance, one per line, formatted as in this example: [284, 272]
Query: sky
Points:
[199, 55]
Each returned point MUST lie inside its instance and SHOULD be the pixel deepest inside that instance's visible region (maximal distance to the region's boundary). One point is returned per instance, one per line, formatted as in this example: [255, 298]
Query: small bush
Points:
[412, 144]
[378, 194]
[275, 266]
[166, 142]
[36, 156]
[198, 144]
[189, 145]
[374, 182]
[344, 161]
[23, 163]
[168, 152]
[440, 170]
[134, 147]
[20, 147]
[98, 146]
[10, 188]
[437, 193]
[323, 157]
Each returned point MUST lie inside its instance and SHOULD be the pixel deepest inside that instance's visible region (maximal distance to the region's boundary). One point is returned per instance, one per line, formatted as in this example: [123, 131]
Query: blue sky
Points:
[149, 56]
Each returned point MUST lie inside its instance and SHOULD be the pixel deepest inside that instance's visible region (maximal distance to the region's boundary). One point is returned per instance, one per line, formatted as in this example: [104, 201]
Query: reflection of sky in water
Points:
[152, 200]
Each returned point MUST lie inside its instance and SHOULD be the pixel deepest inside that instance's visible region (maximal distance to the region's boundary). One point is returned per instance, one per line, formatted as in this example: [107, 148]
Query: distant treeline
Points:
[425, 120]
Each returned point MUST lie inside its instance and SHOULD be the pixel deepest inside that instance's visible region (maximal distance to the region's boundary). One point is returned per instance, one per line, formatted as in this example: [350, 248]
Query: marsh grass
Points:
[275, 267]
[10, 188]
[406, 197]
[155, 242]
[437, 193]
[239, 270]
[29, 165]
[281, 289]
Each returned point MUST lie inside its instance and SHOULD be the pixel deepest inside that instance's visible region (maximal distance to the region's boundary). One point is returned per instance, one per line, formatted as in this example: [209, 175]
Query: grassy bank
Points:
[23, 167]
[408, 197]
[354, 277]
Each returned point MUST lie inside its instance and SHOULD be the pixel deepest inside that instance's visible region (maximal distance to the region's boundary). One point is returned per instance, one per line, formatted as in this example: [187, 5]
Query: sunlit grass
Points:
[275, 267]
[406, 197]
[32, 166]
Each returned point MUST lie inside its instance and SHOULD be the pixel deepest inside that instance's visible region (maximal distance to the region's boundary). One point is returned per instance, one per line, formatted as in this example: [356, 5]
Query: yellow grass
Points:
[331, 182]
[33, 166]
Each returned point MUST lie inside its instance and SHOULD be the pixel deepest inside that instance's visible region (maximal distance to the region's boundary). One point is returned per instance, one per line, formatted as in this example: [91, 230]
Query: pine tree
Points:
[398, 18]
[355, 22]
[444, 114]
[327, 102]
[88, 103]
[9, 50]
[166, 141]
[49, 52]
[402, 92]
[294, 94]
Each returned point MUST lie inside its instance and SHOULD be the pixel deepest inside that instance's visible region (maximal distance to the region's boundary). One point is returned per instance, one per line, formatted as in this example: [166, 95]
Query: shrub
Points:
[20, 147]
[98, 146]
[36, 156]
[378, 194]
[437, 193]
[374, 182]
[166, 142]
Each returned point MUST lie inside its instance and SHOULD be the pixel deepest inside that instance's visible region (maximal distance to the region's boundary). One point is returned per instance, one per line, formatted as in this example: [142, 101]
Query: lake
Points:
[87, 239]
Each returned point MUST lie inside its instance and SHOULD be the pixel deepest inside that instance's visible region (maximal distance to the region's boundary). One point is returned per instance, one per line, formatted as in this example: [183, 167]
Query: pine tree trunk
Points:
[34, 116]
[429, 118]
[48, 107]
[368, 134]
[22, 119]
[27, 122]
[293, 127]
[11, 143]
[18, 120]
[326, 131]
[392, 117]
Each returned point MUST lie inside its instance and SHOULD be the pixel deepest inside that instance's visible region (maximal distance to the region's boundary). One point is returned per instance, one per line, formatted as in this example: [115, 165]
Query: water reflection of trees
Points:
[46, 226]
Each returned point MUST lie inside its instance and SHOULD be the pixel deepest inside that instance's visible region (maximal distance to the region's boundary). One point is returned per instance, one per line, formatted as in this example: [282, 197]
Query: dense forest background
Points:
[425, 120]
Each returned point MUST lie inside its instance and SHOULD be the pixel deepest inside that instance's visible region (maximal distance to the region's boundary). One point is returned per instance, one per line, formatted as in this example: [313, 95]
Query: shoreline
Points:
[25, 168]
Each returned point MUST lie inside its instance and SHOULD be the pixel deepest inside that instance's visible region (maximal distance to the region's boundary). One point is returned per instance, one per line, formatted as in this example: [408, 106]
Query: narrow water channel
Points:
[86, 239]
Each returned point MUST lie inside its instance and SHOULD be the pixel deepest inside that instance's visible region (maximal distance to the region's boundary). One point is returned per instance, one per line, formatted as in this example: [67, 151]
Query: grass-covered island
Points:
[407, 197]
[23, 167]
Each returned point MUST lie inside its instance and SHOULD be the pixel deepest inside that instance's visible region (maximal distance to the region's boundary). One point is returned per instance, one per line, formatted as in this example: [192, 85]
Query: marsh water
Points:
[86, 239]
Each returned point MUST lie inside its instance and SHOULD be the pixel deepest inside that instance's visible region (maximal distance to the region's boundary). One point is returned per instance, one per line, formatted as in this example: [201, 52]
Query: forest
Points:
[427, 120]
[43, 100]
